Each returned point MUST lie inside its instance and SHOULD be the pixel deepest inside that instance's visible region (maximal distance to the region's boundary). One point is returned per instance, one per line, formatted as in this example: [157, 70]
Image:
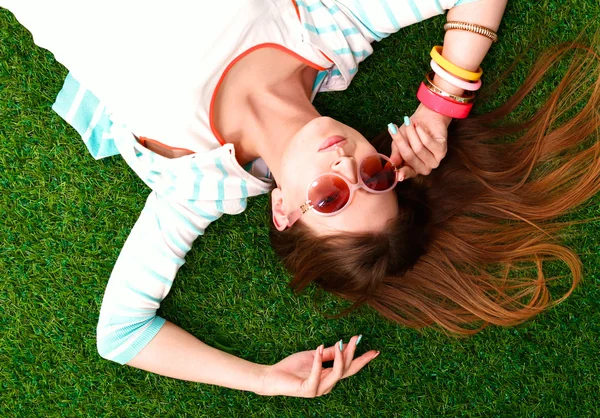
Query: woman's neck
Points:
[263, 101]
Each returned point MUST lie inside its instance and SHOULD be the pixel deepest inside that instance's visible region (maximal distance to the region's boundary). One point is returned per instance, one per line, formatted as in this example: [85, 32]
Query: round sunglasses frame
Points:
[360, 184]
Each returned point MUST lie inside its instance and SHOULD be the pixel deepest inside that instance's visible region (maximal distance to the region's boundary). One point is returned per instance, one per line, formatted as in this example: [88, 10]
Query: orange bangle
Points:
[436, 55]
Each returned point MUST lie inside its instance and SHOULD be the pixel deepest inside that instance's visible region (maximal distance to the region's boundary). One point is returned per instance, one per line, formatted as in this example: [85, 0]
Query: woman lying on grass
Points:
[190, 95]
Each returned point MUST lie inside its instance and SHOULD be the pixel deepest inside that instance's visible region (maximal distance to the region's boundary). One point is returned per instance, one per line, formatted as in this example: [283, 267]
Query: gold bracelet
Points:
[467, 98]
[472, 27]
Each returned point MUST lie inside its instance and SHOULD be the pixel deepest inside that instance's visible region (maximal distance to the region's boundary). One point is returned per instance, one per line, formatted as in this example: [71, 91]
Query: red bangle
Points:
[441, 105]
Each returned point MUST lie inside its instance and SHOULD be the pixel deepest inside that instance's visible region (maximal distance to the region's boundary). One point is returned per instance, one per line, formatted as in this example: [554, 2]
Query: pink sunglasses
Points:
[330, 193]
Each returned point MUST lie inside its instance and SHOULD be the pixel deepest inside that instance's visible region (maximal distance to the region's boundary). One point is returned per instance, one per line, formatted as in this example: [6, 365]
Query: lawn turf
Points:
[64, 218]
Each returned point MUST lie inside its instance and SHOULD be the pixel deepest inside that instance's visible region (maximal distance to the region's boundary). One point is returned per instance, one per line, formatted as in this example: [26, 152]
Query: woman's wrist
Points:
[262, 370]
[457, 62]
[422, 109]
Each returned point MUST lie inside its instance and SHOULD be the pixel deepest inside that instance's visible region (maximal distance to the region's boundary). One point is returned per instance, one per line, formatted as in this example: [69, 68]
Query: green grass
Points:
[64, 218]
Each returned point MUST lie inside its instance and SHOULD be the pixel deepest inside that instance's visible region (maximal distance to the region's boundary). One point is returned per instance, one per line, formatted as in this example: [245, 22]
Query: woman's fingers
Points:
[417, 137]
[312, 384]
[436, 145]
[402, 144]
[416, 150]
[349, 352]
[329, 352]
[405, 172]
[360, 362]
[395, 157]
[337, 372]
[321, 382]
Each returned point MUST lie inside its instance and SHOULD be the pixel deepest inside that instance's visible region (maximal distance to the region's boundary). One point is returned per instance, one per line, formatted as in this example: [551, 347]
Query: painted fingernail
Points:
[341, 346]
[392, 128]
[406, 120]
[376, 354]
[358, 339]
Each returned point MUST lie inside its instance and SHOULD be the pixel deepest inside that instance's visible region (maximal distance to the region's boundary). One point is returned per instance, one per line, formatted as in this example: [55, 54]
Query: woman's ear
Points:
[280, 219]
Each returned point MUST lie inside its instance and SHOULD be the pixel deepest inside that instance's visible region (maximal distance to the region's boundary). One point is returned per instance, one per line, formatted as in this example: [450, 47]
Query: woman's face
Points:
[306, 157]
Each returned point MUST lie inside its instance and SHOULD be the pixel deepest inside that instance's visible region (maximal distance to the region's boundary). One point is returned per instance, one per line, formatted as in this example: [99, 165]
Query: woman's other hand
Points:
[302, 374]
[421, 145]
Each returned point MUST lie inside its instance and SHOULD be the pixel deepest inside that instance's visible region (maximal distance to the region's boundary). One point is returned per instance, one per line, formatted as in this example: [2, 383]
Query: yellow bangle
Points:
[436, 55]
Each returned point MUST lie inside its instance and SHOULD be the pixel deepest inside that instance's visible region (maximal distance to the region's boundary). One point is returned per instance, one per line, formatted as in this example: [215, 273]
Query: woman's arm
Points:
[422, 144]
[176, 353]
[467, 49]
[130, 332]
[142, 277]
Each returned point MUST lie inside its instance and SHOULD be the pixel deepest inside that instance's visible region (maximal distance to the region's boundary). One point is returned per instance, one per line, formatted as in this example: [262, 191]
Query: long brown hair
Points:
[469, 235]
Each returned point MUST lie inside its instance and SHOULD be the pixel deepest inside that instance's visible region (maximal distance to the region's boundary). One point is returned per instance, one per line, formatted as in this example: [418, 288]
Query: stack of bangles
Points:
[441, 101]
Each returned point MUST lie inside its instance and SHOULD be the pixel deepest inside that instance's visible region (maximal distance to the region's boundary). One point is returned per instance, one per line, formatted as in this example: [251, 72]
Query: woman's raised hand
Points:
[420, 146]
[302, 374]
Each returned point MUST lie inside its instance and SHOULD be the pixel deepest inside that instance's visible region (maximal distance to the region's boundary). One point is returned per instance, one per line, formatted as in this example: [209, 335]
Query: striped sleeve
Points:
[143, 275]
[188, 193]
[81, 109]
[384, 17]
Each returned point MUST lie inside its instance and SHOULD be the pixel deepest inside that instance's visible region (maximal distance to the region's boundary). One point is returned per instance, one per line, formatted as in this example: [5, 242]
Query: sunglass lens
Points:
[377, 173]
[328, 194]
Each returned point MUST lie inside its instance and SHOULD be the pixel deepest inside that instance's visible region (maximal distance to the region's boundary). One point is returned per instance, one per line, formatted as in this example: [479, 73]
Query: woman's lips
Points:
[332, 143]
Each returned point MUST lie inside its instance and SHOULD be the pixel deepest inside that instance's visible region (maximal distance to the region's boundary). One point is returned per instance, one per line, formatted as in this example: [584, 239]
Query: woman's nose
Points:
[345, 166]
